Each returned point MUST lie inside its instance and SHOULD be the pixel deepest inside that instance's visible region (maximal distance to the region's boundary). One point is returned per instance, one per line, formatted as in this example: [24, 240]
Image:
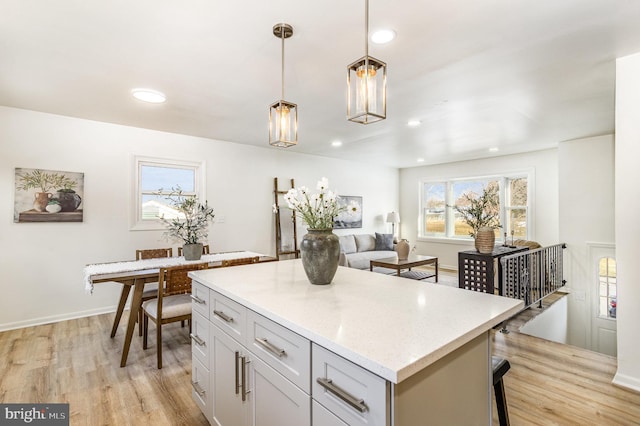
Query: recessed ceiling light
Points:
[413, 123]
[494, 149]
[336, 143]
[383, 36]
[149, 95]
[420, 160]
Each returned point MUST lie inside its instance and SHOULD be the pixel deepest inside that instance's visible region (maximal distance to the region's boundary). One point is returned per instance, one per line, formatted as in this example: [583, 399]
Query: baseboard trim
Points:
[628, 382]
[56, 318]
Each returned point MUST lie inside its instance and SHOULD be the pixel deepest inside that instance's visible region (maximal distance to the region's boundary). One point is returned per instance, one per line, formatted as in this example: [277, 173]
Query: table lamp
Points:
[393, 218]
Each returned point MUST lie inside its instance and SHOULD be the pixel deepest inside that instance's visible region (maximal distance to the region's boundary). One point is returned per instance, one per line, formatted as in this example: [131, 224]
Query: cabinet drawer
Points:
[230, 316]
[200, 338]
[320, 416]
[285, 351]
[200, 387]
[355, 395]
[200, 298]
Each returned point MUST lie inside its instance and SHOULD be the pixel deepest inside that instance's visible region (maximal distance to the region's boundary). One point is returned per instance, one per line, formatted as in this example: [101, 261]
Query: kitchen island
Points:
[367, 349]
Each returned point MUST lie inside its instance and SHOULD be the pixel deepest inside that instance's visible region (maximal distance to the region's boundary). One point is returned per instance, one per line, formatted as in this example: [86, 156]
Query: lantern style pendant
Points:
[367, 85]
[283, 115]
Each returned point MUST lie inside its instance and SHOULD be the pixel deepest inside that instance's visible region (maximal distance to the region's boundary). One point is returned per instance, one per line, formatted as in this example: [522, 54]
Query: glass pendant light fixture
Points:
[283, 115]
[367, 85]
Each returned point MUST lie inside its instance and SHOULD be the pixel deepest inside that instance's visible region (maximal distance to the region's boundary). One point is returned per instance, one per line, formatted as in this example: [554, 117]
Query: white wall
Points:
[627, 228]
[544, 211]
[42, 263]
[552, 324]
[586, 188]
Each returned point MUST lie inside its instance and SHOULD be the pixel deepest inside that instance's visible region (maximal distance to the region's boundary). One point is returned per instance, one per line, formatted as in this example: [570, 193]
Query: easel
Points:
[286, 250]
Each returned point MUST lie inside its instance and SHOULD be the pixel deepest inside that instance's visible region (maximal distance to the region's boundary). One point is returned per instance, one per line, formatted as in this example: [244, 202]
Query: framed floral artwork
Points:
[352, 217]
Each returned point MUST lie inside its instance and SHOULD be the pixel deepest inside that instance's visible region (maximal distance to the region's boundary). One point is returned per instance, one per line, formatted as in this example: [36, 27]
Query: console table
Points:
[477, 271]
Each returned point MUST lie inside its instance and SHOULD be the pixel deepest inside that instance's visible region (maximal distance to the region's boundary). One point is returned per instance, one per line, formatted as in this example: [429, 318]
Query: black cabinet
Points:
[481, 272]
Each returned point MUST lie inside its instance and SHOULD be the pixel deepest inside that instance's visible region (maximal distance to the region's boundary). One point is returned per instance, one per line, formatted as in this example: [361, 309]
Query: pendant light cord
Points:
[366, 28]
[282, 65]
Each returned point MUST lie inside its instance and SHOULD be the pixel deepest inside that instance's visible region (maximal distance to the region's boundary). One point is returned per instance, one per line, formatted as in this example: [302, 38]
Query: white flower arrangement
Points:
[318, 210]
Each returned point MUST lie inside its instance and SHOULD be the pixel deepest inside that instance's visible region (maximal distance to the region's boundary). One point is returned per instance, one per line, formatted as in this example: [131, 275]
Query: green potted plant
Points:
[191, 224]
[482, 214]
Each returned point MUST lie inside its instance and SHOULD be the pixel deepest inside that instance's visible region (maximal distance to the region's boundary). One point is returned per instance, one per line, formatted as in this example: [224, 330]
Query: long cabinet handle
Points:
[196, 387]
[244, 377]
[224, 316]
[237, 372]
[354, 402]
[197, 299]
[270, 347]
[197, 339]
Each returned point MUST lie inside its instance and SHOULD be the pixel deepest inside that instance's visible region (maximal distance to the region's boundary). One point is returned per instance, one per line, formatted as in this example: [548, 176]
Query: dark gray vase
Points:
[192, 251]
[320, 251]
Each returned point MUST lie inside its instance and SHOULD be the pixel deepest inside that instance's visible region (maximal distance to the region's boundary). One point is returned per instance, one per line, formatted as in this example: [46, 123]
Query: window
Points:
[608, 295]
[438, 218]
[156, 180]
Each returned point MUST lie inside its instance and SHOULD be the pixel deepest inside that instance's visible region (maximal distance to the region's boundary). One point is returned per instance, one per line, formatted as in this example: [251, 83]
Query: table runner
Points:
[161, 262]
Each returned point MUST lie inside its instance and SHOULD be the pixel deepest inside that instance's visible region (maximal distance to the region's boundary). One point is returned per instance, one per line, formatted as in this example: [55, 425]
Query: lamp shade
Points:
[393, 217]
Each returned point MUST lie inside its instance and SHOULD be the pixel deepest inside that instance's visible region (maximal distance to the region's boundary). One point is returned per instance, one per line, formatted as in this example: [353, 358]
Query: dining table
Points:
[135, 273]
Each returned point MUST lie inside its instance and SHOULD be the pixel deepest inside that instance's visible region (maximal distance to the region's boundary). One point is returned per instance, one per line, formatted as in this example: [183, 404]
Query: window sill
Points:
[457, 241]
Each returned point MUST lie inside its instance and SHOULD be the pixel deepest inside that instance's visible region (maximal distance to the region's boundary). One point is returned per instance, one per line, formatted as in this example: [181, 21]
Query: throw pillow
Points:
[365, 242]
[347, 244]
[384, 241]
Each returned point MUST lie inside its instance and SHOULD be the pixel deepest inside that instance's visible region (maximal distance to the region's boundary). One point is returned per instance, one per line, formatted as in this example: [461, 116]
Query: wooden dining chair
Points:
[171, 304]
[241, 261]
[150, 289]
[205, 249]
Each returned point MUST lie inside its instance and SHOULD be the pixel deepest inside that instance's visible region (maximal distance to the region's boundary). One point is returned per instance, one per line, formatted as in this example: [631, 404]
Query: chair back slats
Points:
[176, 279]
[154, 253]
[241, 261]
[205, 249]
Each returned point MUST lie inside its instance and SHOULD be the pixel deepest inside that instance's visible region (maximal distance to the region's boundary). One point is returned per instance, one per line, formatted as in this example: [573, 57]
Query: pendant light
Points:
[367, 85]
[283, 115]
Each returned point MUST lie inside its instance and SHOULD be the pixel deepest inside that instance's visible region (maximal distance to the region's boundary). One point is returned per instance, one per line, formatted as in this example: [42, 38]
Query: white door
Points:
[603, 285]
[275, 400]
[228, 407]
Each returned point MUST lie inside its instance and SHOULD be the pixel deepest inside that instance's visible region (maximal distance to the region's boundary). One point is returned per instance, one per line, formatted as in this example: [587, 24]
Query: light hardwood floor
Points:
[76, 362]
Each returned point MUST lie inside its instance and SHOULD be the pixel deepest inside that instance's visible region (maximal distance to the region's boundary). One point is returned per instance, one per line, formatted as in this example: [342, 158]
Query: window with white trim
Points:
[438, 218]
[155, 181]
[607, 288]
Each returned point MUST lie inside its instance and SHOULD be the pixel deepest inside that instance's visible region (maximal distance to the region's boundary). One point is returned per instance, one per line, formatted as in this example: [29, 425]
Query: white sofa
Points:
[356, 250]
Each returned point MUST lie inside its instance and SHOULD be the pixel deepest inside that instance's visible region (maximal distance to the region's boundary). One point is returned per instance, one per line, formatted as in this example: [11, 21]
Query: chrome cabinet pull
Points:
[196, 387]
[197, 299]
[244, 377]
[270, 347]
[354, 402]
[197, 339]
[224, 316]
[237, 372]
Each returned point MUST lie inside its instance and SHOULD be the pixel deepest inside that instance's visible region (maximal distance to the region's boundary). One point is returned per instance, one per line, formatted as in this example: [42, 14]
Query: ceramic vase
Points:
[403, 249]
[485, 240]
[69, 200]
[41, 201]
[320, 249]
[192, 251]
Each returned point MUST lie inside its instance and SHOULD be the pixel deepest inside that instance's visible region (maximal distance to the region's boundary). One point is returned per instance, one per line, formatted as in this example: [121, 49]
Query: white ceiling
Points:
[517, 75]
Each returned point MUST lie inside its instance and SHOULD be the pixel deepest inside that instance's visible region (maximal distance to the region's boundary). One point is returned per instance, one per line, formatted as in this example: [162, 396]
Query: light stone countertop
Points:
[391, 326]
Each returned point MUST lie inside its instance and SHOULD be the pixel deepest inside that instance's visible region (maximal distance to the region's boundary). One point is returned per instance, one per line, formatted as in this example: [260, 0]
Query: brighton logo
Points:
[36, 414]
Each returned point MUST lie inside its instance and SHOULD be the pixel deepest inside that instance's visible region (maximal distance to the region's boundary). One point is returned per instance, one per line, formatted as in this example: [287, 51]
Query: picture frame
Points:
[48, 196]
[347, 219]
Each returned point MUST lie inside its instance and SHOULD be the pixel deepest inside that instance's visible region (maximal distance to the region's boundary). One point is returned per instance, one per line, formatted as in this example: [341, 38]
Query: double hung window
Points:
[156, 183]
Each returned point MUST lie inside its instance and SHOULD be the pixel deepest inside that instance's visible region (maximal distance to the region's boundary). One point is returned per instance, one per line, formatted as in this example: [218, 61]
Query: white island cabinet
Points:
[269, 348]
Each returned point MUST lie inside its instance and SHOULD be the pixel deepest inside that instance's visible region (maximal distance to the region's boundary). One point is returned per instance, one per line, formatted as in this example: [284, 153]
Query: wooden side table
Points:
[477, 271]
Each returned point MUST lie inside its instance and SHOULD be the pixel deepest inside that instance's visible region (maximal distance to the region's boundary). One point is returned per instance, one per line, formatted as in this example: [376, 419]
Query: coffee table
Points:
[413, 261]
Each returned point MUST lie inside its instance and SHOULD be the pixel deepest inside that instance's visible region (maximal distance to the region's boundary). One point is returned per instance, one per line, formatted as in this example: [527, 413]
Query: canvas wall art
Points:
[349, 219]
[48, 196]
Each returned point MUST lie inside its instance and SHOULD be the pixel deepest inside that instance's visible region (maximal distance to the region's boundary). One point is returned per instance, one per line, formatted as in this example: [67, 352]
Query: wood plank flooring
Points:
[76, 362]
